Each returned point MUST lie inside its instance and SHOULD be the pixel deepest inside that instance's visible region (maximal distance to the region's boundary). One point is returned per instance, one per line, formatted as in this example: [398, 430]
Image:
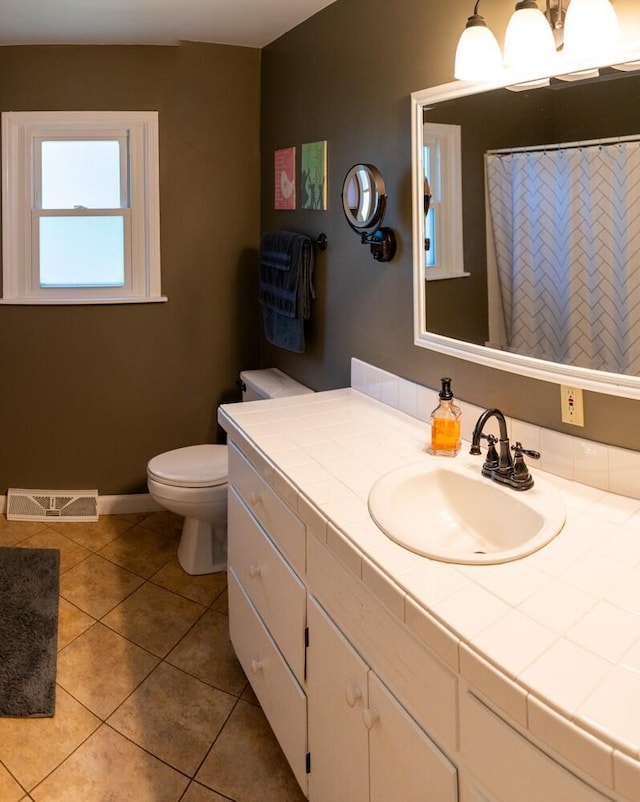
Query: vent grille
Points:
[67, 505]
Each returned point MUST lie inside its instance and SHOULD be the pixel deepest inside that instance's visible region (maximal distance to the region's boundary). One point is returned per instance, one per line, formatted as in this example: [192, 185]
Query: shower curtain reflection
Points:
[564, 225]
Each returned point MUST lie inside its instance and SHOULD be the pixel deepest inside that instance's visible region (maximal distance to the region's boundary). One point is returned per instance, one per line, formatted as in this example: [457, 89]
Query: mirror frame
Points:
[557, 373]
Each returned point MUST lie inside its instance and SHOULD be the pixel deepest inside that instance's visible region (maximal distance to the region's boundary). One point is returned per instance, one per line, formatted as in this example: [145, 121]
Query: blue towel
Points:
[286, 287]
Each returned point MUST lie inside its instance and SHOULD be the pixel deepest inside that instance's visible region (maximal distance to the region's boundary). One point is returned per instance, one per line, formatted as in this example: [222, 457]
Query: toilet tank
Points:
[269, 383]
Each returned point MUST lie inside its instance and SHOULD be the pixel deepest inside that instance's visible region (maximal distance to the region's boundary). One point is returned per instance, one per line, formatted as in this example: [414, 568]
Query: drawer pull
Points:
[254, 571]
[255, 498]
[369, 717]
[256, 665]
[352, 694]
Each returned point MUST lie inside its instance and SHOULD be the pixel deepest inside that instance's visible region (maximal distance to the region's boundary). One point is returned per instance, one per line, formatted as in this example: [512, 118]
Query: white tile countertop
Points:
[553, 639]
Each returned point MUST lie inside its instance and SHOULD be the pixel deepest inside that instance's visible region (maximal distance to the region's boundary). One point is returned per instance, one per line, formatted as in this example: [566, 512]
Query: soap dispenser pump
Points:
[445, 423]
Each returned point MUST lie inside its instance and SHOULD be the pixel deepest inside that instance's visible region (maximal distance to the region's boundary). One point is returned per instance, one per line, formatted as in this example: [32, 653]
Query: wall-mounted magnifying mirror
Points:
[364, 200]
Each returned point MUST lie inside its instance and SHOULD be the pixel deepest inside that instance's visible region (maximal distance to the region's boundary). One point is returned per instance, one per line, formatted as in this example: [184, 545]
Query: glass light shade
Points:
[591, 27]
[529, 41]
[478, 56]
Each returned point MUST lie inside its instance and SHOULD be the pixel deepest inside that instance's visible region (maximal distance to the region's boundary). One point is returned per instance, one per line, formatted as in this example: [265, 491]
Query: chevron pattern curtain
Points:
[566, 227]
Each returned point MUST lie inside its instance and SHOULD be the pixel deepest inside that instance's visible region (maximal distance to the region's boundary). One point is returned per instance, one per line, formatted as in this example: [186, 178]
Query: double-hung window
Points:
[80, 207]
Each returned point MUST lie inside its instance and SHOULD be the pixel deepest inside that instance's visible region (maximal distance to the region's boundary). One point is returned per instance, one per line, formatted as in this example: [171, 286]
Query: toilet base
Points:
[202, 549]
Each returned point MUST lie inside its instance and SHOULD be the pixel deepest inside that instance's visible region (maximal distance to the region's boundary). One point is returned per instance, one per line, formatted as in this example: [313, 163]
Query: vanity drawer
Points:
[508, 765]
[275, 591]
[281, 697]
[283, 526]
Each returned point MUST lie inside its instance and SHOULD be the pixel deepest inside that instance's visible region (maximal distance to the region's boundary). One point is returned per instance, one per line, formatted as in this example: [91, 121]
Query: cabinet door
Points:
[405, 763]
[336, 698]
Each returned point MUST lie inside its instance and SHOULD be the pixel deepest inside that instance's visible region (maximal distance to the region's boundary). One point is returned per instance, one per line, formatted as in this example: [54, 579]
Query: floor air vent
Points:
[63, 505]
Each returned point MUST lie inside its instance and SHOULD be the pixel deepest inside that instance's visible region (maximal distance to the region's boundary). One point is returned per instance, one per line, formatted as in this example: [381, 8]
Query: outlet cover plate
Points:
[572, 405]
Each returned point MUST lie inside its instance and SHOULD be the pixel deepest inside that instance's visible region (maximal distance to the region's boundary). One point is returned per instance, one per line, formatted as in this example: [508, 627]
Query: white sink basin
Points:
[446, 510]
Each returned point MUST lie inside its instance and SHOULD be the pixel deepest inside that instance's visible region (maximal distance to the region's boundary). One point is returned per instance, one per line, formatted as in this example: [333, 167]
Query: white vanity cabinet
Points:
[380, 706]
[345, 735]
[364, 746]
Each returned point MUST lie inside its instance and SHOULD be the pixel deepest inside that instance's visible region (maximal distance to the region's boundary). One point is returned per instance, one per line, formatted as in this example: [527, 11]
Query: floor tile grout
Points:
[142, 741]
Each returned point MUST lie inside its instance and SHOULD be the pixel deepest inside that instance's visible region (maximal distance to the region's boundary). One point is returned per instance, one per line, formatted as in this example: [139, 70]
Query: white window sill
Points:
[439, 275]
[80, 301]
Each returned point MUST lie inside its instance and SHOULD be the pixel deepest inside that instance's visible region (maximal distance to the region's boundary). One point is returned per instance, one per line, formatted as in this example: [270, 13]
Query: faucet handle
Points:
[518, 450]
[491, 440]
[521, 479]
[492, 460]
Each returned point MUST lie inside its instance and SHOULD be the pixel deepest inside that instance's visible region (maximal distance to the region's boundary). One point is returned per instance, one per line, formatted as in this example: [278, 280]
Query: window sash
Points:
[121, 137]
[104, 291]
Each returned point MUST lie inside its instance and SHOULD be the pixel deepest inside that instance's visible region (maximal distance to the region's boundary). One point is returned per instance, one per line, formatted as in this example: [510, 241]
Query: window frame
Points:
[22, 135]
[444, 174]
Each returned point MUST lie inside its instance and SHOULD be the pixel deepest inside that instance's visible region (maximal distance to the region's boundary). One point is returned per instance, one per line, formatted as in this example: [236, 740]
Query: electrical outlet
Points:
[572, 406]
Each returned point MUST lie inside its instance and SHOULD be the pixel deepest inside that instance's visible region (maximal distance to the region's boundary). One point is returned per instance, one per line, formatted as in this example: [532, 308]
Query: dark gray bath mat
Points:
[29, 586]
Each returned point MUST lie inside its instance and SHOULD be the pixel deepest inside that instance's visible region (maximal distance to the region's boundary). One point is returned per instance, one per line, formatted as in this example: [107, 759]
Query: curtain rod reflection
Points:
[617, 140]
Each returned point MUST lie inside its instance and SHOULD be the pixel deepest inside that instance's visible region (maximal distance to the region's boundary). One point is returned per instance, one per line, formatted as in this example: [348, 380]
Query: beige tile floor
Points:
[151, 703]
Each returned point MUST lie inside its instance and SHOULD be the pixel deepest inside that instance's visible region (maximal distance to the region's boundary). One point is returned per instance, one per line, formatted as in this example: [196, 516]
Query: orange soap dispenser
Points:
[445, 423]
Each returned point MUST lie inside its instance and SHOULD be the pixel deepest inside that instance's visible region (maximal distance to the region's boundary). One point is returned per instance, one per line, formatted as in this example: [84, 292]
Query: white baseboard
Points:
[113, 505]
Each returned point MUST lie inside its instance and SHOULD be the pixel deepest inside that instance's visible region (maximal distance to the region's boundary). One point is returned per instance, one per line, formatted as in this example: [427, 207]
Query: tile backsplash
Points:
[595, 464]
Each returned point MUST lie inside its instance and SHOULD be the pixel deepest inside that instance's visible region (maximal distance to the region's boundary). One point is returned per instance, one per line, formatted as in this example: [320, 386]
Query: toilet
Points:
[192, 481]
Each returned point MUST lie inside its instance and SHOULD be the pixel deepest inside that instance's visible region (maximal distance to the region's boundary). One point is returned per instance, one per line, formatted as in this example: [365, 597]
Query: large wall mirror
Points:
[546, 281]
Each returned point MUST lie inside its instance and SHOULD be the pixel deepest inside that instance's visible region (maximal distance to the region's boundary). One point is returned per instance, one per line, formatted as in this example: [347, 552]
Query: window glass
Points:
[80, 174]
[430, 219]
[431, 242]
[82, 251]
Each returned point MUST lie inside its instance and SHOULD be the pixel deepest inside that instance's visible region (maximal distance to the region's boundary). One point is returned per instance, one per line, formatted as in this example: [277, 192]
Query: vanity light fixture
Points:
[478, 56]
[591, 27]
[528, 42]
[581, 28]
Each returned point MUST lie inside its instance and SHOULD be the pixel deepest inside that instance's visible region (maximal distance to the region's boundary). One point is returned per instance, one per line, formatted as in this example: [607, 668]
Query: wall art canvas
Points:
[285, 178]
[313, 179]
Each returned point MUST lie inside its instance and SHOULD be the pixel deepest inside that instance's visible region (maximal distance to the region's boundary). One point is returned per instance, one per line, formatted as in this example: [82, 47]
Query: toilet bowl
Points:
[192, 481]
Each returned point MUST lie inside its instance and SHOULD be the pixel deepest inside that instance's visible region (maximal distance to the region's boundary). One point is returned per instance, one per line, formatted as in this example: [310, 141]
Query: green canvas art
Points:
[313, 179]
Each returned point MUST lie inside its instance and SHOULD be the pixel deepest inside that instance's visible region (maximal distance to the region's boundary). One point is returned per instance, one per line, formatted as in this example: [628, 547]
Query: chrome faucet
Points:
[502, 467]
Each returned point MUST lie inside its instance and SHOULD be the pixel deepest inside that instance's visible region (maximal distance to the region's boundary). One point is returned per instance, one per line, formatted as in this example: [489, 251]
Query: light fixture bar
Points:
[556, 41]
[555, 15]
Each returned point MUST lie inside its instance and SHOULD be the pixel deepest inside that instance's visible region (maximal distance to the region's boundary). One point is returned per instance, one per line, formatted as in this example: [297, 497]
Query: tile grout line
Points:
[178, 591]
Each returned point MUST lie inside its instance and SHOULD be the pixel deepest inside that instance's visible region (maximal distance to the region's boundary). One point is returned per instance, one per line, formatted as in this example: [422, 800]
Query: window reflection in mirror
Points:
[443, 223]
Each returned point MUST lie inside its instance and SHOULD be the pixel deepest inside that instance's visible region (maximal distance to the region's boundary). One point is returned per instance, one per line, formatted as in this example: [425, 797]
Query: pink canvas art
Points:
[285, 178]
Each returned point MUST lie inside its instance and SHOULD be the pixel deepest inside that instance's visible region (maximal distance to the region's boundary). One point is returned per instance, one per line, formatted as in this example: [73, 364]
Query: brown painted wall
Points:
[90, 393]
[346, 76]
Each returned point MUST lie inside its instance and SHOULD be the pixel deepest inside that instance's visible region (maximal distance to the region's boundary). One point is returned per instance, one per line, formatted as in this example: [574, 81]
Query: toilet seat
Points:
[194, 466]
